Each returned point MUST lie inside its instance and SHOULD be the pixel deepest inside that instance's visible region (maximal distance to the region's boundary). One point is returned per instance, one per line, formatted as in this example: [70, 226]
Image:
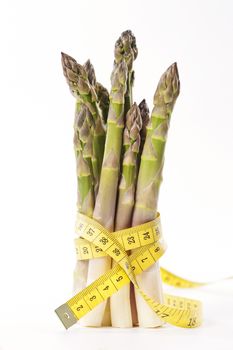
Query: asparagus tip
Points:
[126, 48]
[145, 113]
[167, 91]
[144, 109]
[133, 127]
[63, 55]
[89, 68]
[174, 69]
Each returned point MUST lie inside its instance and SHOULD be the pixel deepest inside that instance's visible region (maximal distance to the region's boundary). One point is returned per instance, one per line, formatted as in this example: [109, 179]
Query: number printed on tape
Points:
[80, 309]
[107, 289]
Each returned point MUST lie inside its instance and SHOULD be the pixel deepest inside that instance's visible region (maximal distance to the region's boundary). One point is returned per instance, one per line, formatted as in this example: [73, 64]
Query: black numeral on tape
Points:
[104, 240]
[143, 260]
[85, 250]
[146, 235]
[90, 232]
[192, 322]
[97, 249]
[116, 251]
[79, 307]
[119, 278]
[93, 298]
[131, 240]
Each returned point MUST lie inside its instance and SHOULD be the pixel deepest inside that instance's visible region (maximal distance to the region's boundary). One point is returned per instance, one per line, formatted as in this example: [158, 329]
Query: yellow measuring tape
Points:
[96, 242]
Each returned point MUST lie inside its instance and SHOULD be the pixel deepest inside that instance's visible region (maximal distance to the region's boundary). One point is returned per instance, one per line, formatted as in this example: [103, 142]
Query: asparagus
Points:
[125, 53]
[83, 126]
[126, 48]
[106, 200]
[120, 302]
[131, 142]
[104, 211]
[144, 111]
[83, 150]
[149, 180]
[98, 168]
[77, 78]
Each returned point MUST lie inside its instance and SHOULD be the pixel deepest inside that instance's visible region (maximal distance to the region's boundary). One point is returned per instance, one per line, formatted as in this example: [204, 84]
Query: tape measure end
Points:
[66, 316]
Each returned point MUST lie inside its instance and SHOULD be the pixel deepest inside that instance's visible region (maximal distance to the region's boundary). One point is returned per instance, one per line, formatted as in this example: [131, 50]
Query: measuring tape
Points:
[96, 242]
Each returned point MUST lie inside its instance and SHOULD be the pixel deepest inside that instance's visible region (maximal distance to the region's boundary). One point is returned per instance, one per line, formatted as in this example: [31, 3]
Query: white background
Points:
[37, 166]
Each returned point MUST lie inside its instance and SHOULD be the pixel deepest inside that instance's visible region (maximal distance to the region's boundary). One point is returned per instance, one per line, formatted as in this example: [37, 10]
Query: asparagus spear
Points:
[104, 211]
[126, 48]
[83, 149]
[149, 180]
[120, 302]
[78, 80]
[131, 142]
[125, 53]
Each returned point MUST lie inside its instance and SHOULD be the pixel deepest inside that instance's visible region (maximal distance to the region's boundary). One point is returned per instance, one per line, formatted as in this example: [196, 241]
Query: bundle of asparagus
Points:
[119, 156]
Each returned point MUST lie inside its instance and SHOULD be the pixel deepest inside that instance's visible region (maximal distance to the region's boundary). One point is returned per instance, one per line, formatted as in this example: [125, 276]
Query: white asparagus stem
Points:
[121, 308]
[80, 276]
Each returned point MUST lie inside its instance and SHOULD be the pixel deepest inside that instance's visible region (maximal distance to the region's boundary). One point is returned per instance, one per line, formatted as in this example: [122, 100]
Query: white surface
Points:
[44, 332]
[38, 185]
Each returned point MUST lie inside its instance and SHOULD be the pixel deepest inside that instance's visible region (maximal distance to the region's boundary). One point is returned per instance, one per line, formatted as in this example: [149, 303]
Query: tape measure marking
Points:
[86, 250]
[124, 272]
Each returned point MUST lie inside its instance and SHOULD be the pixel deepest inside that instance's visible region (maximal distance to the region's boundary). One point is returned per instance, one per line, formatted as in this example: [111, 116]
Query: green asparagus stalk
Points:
[144, 111]
[78, 80]
[152, 159]
[106, 199]
[148, 184]
[83, 150]
[120, 302]
[126, 49]
[125, 53]
[104, 211]
[131, 142]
